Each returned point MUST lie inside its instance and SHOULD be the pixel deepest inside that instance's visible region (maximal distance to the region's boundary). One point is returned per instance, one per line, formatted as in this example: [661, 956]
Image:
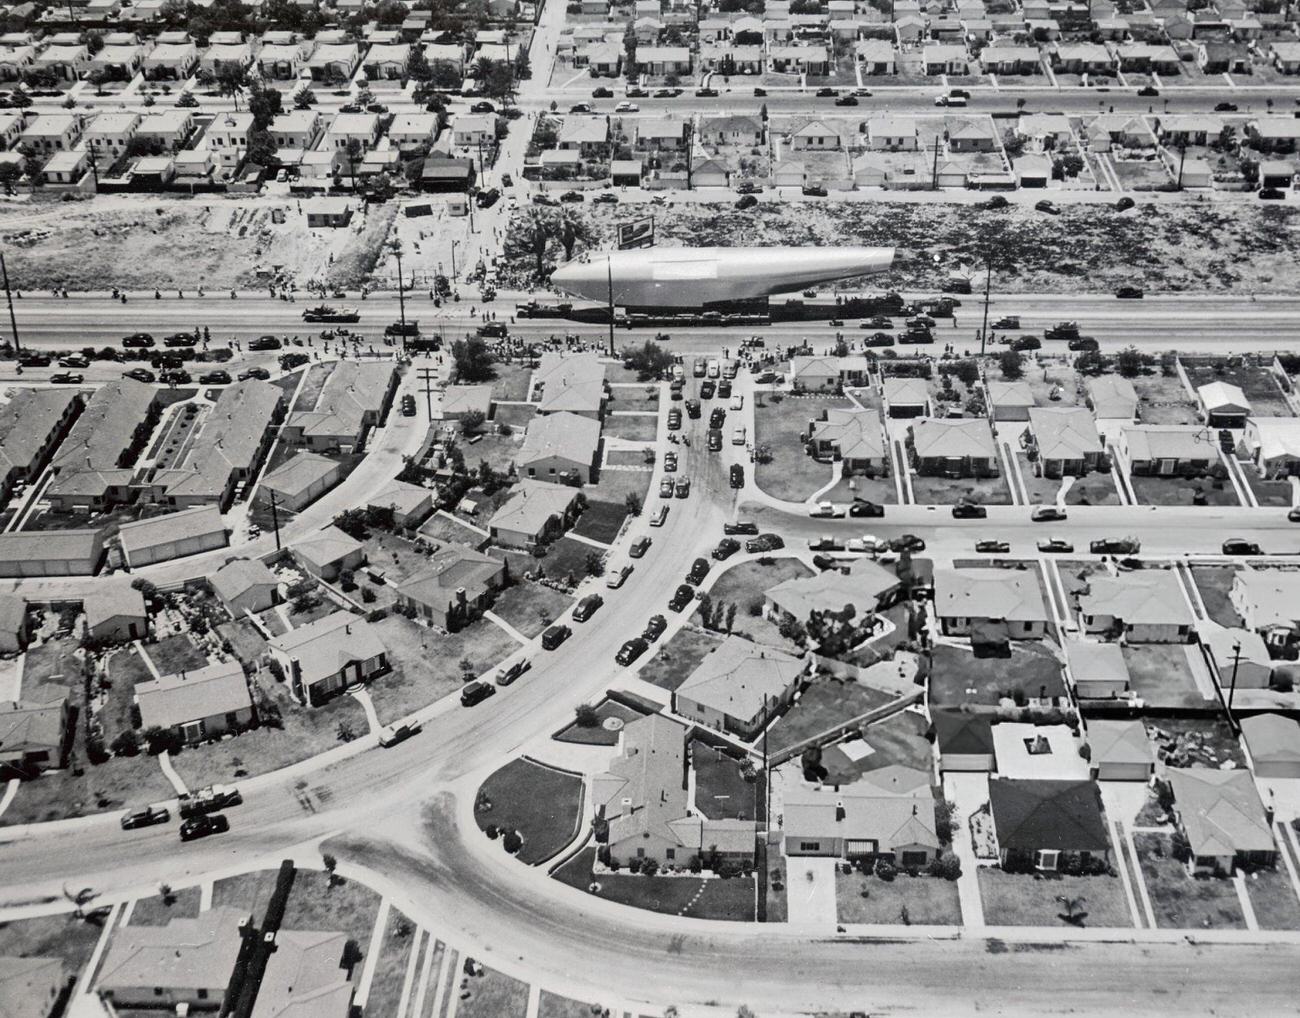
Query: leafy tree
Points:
[586, 715]
[231, 81]
[967, 371]
[262, 149]
[99, 77]
[811, 761]
[1130, 362]
[1090, 362]
[731, 616]
[1012, 364]
[649, 361]
[10, 174]
[331, 867]
[355, 150]
[305, 99]
[19, 99]
[473, 359]
[500, 82]
[417, 65]
[573, 228]
[472, 421]
[633, 503]
[593, 564]
[265, 104]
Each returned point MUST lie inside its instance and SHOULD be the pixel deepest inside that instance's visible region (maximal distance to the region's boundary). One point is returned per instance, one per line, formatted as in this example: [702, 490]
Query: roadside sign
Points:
[640, 233]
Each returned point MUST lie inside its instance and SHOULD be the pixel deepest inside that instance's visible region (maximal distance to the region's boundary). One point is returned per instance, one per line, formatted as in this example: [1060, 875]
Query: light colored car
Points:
[827, 511]
[657, 520]
[666, 488]
[618, 576]
[738, 402]
[866, 543]
[627, 107]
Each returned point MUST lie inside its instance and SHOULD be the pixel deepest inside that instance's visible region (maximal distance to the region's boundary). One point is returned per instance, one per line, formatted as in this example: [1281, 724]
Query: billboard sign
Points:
[640, 233]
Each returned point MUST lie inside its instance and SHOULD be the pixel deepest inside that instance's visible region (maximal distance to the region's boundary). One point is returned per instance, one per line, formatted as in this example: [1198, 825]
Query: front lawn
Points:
[155, 911]
[930, 490]
[390, 968]
[1180, 901]
[1180, 491]
[511, 382]
[1214, 584]
[530, 607]
[1273, 898]
[544, 805]
[780, 424]
[85, 788]
[61, 936]
[826, 703]
[1024, 899]
[632, 427]
[491, 994]
[958, 677]
[515, 416]
[598, 734]
[699, 898]
[566, 560]
[1267, 493]
[552, 1005]
[928, 901]
[615, 485]
[601, 521]
[680, 656]
[1161, 675]
[744, 586]
[644, 398]
[722, 792]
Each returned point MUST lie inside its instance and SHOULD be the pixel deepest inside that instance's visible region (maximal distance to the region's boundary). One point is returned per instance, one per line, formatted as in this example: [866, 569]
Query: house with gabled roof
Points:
[1273, 741]
[964, 739]
[329, 552]
[1167, 449]
[453, 587]
[1120, 751]
[409, 503]
[867, 586]
[322, 658]
[1065, 440]
[184, 962]
[906, 397]
[33, 736]
[245, 585]
[739, 686]
[92, 464]
[559, 446]
[115, 616]
[198, 705]
[946, 447]
[569, 382]
[815, 136]
[1222, 817]
[1042, 824]
[1144, 607]
[299, 481]
[1268, 602]
[1273, 444]
[1009, 401]
[864, 820]
[1098, 670]
[965, 598]
[459, 400]
[1112, 397]
[1223, 405]
[855, 438]
[32, 423]
[174, 535]
[536, 513]
[738, 129]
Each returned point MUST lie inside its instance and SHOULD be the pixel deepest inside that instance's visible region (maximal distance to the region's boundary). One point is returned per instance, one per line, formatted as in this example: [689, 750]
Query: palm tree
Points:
[1073, 908]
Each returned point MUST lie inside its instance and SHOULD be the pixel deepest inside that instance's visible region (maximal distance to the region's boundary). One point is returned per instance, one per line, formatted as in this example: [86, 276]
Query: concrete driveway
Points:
[810, 890]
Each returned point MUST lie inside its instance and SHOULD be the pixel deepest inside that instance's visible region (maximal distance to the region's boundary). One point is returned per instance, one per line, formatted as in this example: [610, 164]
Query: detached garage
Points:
[965, 740]
[1274, 745]
[172, 536]
[51, 553]
[1121, 751]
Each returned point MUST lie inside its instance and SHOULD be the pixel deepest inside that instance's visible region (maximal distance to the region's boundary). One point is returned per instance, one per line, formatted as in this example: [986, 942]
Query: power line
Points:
[427, 376]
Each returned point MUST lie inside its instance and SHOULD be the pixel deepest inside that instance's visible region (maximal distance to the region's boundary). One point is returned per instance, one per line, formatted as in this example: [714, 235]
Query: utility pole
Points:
[453, 259]
[609, 280]
[92, 157]
[13, 321]
[426, 376]
[275, 520]
[934, 172]
[1182, 158]
[988, 282]
[401, 295]
[1232, 689]
[767, 774]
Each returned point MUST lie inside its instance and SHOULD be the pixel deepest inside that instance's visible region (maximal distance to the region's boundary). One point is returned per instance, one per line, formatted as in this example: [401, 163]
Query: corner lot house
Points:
[1066, 440]
[1042, 824]
[116, 617]
[355, 398]
[739, 687]
[536, 513]
[1225, 822]
[1274, 745]
[855, 438]
[867, 586]
[321, 659]
[865, 820]
[1143, 607]
[643, 798]
[952, 448]
[1121, 751]
[967, 598]
[204, 704]
[175, 535]
[559, 446]
[33, 736]
[454, 588]
[245, 585]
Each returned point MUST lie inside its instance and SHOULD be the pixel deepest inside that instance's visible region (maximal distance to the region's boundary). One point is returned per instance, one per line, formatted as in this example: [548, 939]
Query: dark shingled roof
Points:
[959, 732]
[1063, 815]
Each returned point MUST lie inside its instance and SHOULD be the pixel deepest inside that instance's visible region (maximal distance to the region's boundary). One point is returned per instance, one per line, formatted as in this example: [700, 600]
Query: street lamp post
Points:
[453, 259]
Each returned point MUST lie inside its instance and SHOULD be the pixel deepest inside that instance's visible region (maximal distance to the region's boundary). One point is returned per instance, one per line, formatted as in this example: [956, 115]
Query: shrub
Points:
[649, 868]
[946, 866]
[886, 870]
[512, 842]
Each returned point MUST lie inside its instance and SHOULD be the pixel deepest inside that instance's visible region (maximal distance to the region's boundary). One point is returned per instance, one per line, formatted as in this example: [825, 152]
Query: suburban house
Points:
[663, 60]
[572, 382]
[32, 987]
[1039, 751]
[454, 587]
[892, 134]
[1239, 656]
[282, 61]
[333, 63]
[33, 736]
[738, 687]
[459, 400]
[821, 374]
[387, 62]
[1098, 670]
[1223, 405]
[52, 132]
[1141, 607]
[116, 617]
[1043, 824]
[299, 481]
[321, 659]
[643, 799]
[876, 56]
[245, 585]
[168, 129]
[1120, 751]
[296, 130]
[413, 133]
[966, 598]
[1273, 741]
[1009, 401]
[1002, 59]
[964, 739]
[1112, 398]
[409, 503]
[1167, 449]
[175, 535]
[906, 397]
[855, 438]
[1268, 602]
[559, 447]
[739, 129]
[952, 448]
[227, 137]
[328, 213]
[588, 136]
[1065, 441]
[110, 133]
[171, 61]
[203, 704]
[866, 585]
[32, 424]
[815, 136]
[538, 512]
[886, 814]
[1273, 445]
[349, 130]
[1223, 819]
[329, 552]
[15, 624]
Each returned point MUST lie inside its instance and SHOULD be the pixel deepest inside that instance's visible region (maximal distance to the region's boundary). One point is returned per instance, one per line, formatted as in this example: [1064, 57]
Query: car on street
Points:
[475, 692]
[573, 196]
[618, 577]
[740, 527]
[693, 409]
[1024, 343]
[825, 562]
[1115, 546]
[907, 542]
[1124, 204]
[601, 92]
[846, 100]
[544, 199]
[877, 339]
[636, 93]
[969, 511]
[866, 543]
[408, 405]
[587, 607]
[660, 517]
[259, 373]
[1225, 107]
[706, 93]
[683, 487]
[482, 106]
[737, 476]
[1271, 194]
[746, 201]
[1294, 515]
[1129, 293]
[139, 374]
[708, 388]
[724, 391]
[74, 361]
[147, 817]
[699, 570]
[764, 542]
[1050, 207]
[727, 547]
[391, 735]
[759, 92]
[1055, 546]
[1148, 92]
[67, 378]
[555, 635]
[608, 198]
[508, 674]
[639, 547]
[827, 92]
[176, 376]
[670, 461]
[486, 199]
[667, 93]
[265, 343]
[674, 419]
[138, 339]
[815, 191]
[715, 439]
[1047, 514]
[215, 378]
[204, 825]
[631, 650]
[627, 107]
[825, 543]
[993, 547]
[861, 509]
[1083, 343]
[31, 359]
[827, 511]
[654, 627]
[684, 595]
[666, 488]
[1240, 546]
[748, 187]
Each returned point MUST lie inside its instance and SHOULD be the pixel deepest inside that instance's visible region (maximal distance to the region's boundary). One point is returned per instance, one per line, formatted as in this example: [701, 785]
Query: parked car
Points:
[1271, 194]
[827, 511]
[1129, 293]
[67, 378]
[1148, 92]
[658, 519]
[740, 527]
[666, 488]
[708, 388]
[636, 93]
[715, 439]
[1024, 343]
[814, 191]
[138, 339]
[601, 92]
[1115, 546]
[749, 187]
[907, 542]
[1240, 546]
[482, 106]
[1050, 207]
[215, 378]
[877, 339]
[737, 475]
[674, 419]
[139, 374]
[993, 547]
[699, 570]
[486, 199]
[508, 675]
[825, 543]
[408, 405]
[654, 627]
[587, 607]
[670, 462]
[1124, 204]
[639, 547]
[746, 201]
[764, 542]
[683, 487]
[31, 359]
[1082, 344]
[74, 360]
[555, 635]
[1294, 515]
[1047, 514]
[627, 107]
[544, 199]
[1055, 546]
[147, 817]
[476, 692]
[846, 100]
[861, 508]
[203, 826]
[176, 376]
[969, 511]
[1225, 107]
[727, 547]
[759, 92]
[573, 196]
[619, 576]
[631, 650]
[608, 198]
[265, 343]
[693, 409]
[825, 562]
[258, 373]
[684, 595]
[706, 93]
[209, 799]
[391, 735]
[826, 92]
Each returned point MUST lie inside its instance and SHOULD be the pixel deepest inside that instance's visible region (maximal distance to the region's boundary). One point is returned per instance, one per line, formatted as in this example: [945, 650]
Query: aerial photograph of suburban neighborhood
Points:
[649, 508]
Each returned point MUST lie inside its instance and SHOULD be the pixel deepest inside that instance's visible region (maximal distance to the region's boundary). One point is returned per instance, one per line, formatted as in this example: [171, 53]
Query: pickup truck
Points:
[209, 800]
[1116, 546]
[825, 543]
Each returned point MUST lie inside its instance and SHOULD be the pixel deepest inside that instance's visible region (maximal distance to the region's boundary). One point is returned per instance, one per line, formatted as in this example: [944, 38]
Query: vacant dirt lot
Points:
[141, 242]
[1197, 246]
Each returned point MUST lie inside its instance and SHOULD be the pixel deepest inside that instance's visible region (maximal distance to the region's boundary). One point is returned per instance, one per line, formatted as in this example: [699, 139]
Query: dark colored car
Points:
[693, 409]
[1055, 546]
[993, 547]
[760, 92]
[1271, 194]
[737, 475]
[1024, 343]
[587, 607]
[482, 107]
[1050, 207]
[67, 378]
[724, 389]
[1116, 546]
[147, 817]
[1148, 91]
[176, 376]
[715, 440]
[1240, 546]
[969, 511]
[907, 542]
[636, 93]
[601, 93]
[717, 417]
[1294, 515]
[764, 542]
[825, 562]
[631, 650]
[486, 199]
[554, 636]
[259, 373]
[749, 187]
[707, 388]
[740, 527]
[608, 198]
[699, 570]
[139, 374]
[746, 201]
[1083, 344]
[215, 378]
[879, 339]
[1225, 107]
[29, 359]
[674, 419]
[203, 826]
[814, 191]
[265, 343]
[846, 100]
[573, 196]
[684, 595]
[1129, 293]
[1124, 204]
[138, 339]
[862, 508]
[475, 692]
[639, 548]
[706, 93]
[74, 360]
[654, 627]
[727, 547]
[827, 93]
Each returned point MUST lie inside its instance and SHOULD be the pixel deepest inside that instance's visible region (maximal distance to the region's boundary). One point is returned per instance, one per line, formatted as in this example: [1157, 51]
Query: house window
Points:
[810, 846]
[914, 858]
[1047, 859]
[203, 994]
[670, 853]
[640, 853]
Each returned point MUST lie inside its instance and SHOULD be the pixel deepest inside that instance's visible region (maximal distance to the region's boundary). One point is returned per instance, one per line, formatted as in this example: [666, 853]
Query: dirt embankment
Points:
[1199, 246]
